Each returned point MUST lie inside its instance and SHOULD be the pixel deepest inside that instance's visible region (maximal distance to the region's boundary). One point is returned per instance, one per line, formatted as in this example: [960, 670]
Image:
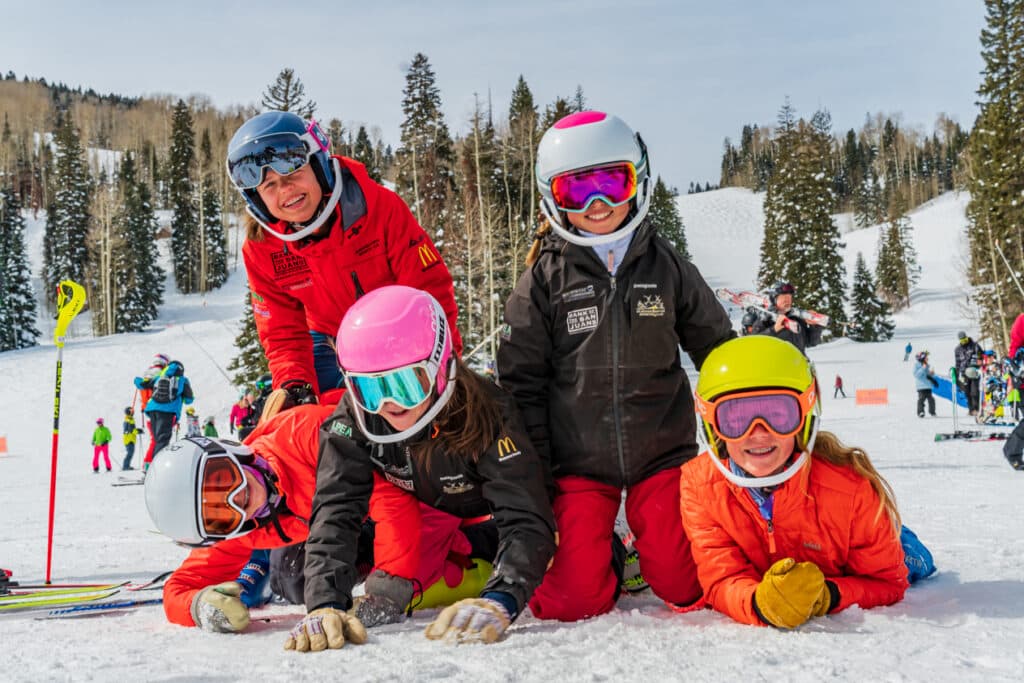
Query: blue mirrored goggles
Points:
[406, 387]
[283, 153]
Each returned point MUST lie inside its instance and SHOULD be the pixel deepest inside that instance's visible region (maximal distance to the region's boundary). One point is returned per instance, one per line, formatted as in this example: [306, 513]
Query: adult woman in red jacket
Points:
[785, 522]
[321, 234]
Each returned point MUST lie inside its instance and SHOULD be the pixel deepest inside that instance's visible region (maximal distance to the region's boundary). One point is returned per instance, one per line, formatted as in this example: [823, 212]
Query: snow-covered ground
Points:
[962, 499]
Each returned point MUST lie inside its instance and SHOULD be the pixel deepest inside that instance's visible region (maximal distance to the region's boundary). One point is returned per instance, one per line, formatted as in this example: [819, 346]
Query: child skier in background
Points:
[130, 435]
[590, 351]
[209, 428]
[192, 422]
[100, 445]
[786, 522]
[144, 391]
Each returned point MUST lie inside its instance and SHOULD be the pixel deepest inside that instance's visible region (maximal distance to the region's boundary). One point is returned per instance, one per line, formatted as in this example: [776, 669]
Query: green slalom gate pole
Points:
[70, 299]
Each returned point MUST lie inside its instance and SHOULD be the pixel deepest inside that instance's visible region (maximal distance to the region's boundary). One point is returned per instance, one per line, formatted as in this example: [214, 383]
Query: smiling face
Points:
[599, 218]
[761, 452]
[401, 418]
[292, 198]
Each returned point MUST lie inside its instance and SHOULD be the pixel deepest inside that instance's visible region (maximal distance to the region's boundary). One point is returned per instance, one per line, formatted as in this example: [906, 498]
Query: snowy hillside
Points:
[961, 498]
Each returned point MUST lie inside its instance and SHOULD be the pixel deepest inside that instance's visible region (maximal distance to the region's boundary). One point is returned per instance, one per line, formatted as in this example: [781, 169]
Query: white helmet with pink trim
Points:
[588, 139]
[394, 344]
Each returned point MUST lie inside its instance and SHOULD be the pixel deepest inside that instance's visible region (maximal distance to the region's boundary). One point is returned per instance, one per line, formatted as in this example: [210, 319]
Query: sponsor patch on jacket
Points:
[507, 448]
[650, 306]
[404, 484]
[428, 257]
[302, 284]
[505, 332]
[645, 285]
[582, 320]
[367, 248]
[577, 294]
[287, 264]
[342, 429]
[812, 546]
[259, 306]
[456, 484]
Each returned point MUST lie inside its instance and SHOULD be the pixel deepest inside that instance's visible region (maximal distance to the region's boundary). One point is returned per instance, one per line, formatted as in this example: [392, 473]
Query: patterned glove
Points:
[473, 620]
[218, 609]
[324, 628]
[791, 593]
[385, 601]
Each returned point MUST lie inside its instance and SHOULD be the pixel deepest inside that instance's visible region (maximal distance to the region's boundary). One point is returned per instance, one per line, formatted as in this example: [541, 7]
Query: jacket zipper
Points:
[771, 538]
[616, 408]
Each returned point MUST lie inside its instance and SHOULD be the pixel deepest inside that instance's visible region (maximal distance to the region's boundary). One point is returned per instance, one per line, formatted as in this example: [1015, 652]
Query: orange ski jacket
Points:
[825, 514]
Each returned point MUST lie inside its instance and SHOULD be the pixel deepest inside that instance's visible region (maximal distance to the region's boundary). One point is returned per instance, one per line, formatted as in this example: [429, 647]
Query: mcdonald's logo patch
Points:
[507, 448]
[427, 256]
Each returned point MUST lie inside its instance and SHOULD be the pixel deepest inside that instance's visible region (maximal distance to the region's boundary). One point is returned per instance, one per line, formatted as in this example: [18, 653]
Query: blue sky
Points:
[686, 74]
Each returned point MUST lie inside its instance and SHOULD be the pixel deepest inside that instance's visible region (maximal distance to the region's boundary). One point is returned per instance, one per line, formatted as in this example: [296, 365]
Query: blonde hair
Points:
[829, 448]
[538, 240]
[253, 229]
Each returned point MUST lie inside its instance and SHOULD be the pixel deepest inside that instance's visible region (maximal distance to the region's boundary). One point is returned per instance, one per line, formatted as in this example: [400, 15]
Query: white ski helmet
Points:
[174, 488]
[588, 139]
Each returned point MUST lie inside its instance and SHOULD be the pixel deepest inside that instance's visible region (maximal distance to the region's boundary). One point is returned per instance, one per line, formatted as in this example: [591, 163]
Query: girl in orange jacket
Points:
[786, 522]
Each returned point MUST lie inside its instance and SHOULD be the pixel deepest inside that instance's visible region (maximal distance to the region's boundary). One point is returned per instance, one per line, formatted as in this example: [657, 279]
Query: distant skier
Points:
[240, 411]
[100, 445]
[781, 296]
[130, 435]
[749, 320]
[838, 387]
[968, 355]
[192, 422]
[924, 381]
[171, 389]
[144, 387]
[209, 428]
[906, 351]
[264, 386]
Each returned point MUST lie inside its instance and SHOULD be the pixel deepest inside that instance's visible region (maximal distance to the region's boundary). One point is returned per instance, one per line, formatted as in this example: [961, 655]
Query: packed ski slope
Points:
[962, 499]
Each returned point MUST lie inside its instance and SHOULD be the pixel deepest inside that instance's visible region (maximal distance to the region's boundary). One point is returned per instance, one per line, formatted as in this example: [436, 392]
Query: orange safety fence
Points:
[872, 397]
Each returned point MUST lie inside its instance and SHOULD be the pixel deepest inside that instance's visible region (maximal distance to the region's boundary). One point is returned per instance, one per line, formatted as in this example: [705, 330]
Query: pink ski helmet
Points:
[160, 360]
[395, 327]
[392, 327]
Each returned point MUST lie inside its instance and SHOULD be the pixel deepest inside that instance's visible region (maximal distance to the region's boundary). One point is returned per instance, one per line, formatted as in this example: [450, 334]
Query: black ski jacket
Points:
[594, 361]
[967, 356]
[508, 481]
[808, 336]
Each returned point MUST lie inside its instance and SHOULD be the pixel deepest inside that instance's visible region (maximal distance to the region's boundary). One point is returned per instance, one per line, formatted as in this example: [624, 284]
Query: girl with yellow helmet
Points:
[786, 522]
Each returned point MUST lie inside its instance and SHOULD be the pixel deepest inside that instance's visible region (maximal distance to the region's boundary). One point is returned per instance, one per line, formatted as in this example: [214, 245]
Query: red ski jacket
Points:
[825, 514]
[309, 285]
[289, 442]
[1016, 336]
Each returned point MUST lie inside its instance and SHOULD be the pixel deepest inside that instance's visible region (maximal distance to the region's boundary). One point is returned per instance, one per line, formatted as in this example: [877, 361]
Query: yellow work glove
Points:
[792, 592]
[218, 609]
[473, 620]
[324, 628]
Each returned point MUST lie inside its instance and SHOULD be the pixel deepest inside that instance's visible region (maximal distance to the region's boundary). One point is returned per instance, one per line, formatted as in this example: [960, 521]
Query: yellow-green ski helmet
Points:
[748, 364]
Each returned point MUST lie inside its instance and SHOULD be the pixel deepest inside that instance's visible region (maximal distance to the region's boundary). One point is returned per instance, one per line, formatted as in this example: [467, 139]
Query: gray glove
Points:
[218, 609]
[386, 600]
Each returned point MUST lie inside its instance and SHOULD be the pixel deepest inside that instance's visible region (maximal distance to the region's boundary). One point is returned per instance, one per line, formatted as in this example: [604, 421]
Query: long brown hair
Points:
[253, 229]
[469, 423]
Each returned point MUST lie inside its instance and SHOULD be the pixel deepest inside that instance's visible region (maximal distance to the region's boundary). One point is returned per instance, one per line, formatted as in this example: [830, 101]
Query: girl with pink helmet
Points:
[422, 432]
[590, 351]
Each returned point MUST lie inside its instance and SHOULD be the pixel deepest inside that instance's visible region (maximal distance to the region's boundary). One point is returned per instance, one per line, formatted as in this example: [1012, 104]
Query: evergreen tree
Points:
[664, 214]
[996, 171]
[215, 255]
[802, 243]
[17, 297]
[362, 151]
[870, 320]
[65, 242]
[518, 157]
[426, 159]
[185, 242]
[138, 277]
[287, 93]
[897, 269]
[250, 362]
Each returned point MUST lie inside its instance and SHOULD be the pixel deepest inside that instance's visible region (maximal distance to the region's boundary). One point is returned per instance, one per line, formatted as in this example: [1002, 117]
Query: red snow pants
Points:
[581, 582]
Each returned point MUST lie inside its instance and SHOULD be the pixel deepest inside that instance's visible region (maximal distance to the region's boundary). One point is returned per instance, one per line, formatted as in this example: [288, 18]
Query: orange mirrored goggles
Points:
[220, 481]
[780, 411]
